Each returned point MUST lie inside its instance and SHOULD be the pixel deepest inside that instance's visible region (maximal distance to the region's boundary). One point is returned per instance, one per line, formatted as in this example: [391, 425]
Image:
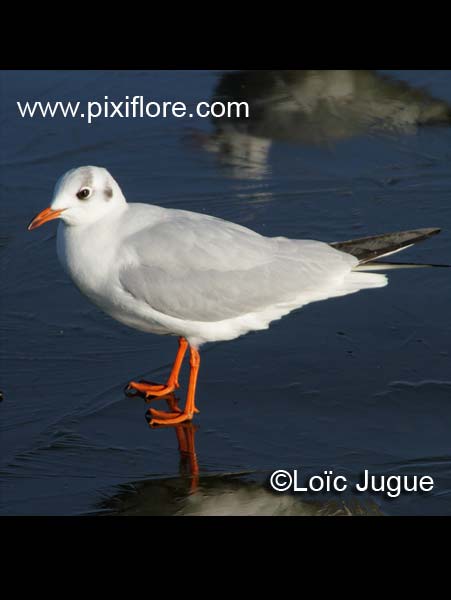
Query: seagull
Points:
[194, 276]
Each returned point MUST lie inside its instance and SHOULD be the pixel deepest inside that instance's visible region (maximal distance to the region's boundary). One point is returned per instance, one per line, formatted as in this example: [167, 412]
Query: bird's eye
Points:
[84, 193]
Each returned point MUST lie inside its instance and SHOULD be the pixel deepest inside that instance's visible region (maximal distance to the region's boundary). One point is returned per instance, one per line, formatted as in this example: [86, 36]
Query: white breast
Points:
[91, 260]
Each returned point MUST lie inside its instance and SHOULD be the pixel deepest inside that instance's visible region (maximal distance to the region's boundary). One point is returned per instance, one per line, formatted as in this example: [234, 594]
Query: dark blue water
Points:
[354, 383]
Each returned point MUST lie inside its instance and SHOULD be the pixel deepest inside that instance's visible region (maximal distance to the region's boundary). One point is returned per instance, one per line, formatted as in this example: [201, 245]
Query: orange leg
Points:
[157, 390]
[161, 418]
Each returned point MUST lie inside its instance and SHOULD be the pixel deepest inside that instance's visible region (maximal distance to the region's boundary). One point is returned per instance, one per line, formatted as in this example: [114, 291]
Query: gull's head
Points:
[82, 196]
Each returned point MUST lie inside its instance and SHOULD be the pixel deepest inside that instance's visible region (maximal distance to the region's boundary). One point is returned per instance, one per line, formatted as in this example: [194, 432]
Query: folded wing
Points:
[200, 268]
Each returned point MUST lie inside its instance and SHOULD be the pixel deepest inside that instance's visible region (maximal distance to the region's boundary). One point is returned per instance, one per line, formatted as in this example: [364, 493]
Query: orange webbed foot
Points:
[166, 415]
[174, 416]
[160, 416]
[149, 390]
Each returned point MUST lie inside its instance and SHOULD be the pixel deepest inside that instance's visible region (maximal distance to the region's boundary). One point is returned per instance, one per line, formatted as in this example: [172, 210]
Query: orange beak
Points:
[47, 214]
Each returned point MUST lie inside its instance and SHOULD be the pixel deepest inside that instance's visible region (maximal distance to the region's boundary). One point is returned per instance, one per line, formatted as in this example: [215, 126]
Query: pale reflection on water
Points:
[218, 495]
[224, 495]
[312, 107]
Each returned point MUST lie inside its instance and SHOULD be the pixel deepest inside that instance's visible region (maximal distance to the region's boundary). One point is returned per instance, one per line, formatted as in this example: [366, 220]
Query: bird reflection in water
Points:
[189, 466]
[312, 107]
[216, 494]
[185, 433]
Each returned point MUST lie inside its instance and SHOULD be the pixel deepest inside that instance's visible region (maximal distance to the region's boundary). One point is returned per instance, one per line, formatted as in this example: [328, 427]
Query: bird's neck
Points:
[87, 251]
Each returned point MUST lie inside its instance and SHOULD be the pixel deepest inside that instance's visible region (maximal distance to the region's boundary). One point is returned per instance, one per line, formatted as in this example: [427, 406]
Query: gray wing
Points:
[200, 268]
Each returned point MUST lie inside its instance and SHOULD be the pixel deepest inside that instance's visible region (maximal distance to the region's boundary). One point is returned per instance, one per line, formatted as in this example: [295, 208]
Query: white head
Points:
[81, 197]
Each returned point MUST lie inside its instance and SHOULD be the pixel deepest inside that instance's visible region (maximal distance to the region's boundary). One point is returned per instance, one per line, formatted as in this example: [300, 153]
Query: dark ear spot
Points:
[108, 192]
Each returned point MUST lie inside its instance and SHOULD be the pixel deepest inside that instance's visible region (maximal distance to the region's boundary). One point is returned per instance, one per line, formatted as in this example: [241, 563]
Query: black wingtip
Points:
[369, 248]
